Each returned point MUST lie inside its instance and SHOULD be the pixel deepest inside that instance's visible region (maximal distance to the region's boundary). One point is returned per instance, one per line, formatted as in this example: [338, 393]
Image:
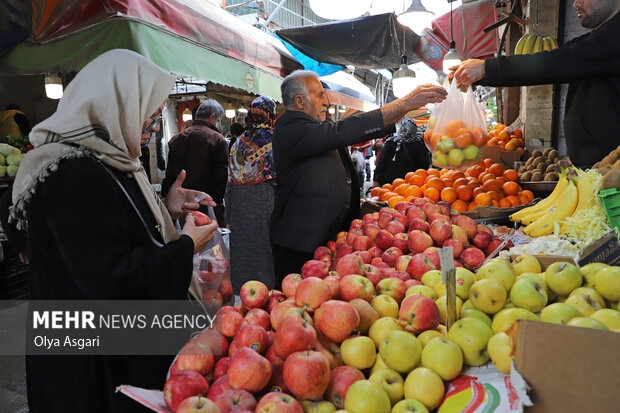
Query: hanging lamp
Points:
[416, 17]
[53, 86]
[452, 58]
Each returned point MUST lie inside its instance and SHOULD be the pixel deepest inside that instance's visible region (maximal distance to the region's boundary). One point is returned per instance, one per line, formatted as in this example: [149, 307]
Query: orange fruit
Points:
[422, 172]
[436, 183]
[398, 181]
[511, 174]
[511, 188]
[528, 194]
[502, 180]
[389, 187]
[408, 176]
[447, 182]
[477, 191]
[496, 169]
[457, 175]
[417, 180]
[496, 196]
[475, 171]
[395, 200]
[451, 127]
[434, 172]
[448, 194]
[488, 162]
[511, 146]
[504, 135]
[413, 191]
[389, 195]
[401, 189]
[499, 127]
[432, 193]
[473, 184]
[479, 137]
[464, 193]
[375, 191]
[483, 199]
[459, 182]
[521, 151]
[472, 205]
[459, 205]
[492, 185]
[495, 203]
[504, 203]
[514, 200]
[524, 199]
[518, 133]
[463, 139]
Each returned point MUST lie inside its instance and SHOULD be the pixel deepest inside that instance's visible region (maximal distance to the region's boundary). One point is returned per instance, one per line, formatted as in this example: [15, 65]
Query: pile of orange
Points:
[483, 184]
[507, 140]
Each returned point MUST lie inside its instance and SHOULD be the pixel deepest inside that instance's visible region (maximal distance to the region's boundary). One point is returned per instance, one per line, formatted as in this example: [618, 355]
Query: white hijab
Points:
[101, 115]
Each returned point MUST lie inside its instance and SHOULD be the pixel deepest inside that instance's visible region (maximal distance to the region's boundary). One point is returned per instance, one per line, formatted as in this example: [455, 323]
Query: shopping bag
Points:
[457, 130]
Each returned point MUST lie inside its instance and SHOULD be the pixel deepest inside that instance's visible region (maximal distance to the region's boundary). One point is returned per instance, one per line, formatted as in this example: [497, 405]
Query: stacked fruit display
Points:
[10, 158]
[541, 166]
[531, 43]
[454, 145]
[483, 184]
[507, 139]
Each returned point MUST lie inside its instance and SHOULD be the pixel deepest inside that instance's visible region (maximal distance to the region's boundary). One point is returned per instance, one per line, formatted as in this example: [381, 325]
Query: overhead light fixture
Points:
[403, 80]
[416, 17]
[452, 58]
[342, 109]
[186, 115]
[331, 110]
[388, 6]
[53, 86]
[338, 10]
[242, 109]
[230, 111]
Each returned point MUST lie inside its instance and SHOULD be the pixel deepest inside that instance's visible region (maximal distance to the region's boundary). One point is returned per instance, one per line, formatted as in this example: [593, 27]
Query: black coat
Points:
[87, 242]
[590, 64]
[316, 191]
[394, 164]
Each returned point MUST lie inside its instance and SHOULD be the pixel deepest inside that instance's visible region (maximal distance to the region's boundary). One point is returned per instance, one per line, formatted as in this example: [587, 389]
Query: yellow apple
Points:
[472, 312]
[505, 318]
[441, 304]
[368, 315]
[426, 336]
[322, 406]
[587, 323]
[464, 280]
[558, 313]
[609, 317]
[539, 278]
[431, 278]
[392, 383]
[590, 292]
[472, 336]
[422, 290]
[385, 306]
[499, 270]
[440, 289]
[365, 396]
[425, 386]
[589, 272]
[607, 283]
[526, 263]
[501, 352]
[381, 328]
[444, 357]
[563, 277]
[442, 329]
[401, 351]
[359, 352]
[584, 303]
[467, 305]
[409, 406]
[529, 294]
[488, 295]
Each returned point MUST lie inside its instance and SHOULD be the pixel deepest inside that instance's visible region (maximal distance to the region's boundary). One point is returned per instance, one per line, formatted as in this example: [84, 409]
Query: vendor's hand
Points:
[180, 201]
[200, 235]
[425, 94]
[468, 72]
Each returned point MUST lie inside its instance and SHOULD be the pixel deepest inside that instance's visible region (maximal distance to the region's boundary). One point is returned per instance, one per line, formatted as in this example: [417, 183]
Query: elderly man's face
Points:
[592, 13]
[316, 104]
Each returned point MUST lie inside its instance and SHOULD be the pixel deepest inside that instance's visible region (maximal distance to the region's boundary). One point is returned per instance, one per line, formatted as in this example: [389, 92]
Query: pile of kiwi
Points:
[541, 166]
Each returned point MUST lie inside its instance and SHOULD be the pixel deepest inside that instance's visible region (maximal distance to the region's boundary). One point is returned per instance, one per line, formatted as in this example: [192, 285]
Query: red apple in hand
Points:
[418, 313]
[200, 219]
[234, 400]
[306, 374]
[184, 384]
[336, 320]
[197, 404]
[289, 284]
[248, 370]
[254, 294]
[341, 378]
[278, 402]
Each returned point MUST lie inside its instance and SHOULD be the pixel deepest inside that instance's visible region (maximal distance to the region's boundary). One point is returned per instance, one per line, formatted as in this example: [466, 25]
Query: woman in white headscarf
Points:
[97, 230]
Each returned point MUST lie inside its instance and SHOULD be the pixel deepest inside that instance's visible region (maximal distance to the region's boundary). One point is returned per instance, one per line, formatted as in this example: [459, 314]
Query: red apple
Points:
[356, 223]
[306, 374]
[235, 400]
[418, 241]
[251, 336]
[184, 384]
[355, 286]
[218, 387]
[277, 378]
[221, 367]
[433, 255]
[275, 297]
[430, 209]
[415, 212]
[384, 219]
[484, 228]
[350, 264]
[457, 246]
[371, 230]
[472, 257]
[362, 243]
[336, 320]
[384, 239]
[458, 263]
[197, 404]
[437, 216]
[312, 292]
[493, 245]
[394, 287]
[278, 402]
[444, 208]
[340, 379]
[391, 255]
[279, 310]
[343, 249]
[482, 239]
[440, 230]
[418, 313]
[380, 264]
[333, 282]
[271, 337]
[412, 281]
[200, 219]
[419, 224]
[354, 233]
[196, 356]
[330, 350]
[374, 274]
[254, 294]
[226, 290]
[400, 241]
[323, 254]
[395, 227]
[258, 317]
[248, 370]
[232, 348]
[402, 206]
[332, 246]
[227, 321]
[364, 255]
[289, 284]
[370, 218]
[401, 275]
[298, 314]
[216, 342]
[467, 223]
[314, 268]
[419, 265]
[375, 252]
[271, 355]
[294, 335]
[402, 263]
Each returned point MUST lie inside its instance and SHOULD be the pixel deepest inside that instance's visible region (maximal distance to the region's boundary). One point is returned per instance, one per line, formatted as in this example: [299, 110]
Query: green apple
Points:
[558, 313]
[392, 383]
[584, 303]
[422, 290]
[440, 289]
[444, 357]
[528, 294]
[426, 336]
[456, 157]
[440, 159]
[501, 352]
[539, 278]
[589, 272]
[385, 306]
[471, 152]
[425, 386]
[381, 328]
[431, 278]
[488, 295]
[467, 305]
[607, 316]
[472, 336]
[322, 406]
[441, 304]
[526, 263]
[563, 277]
[379, 364]
[497, 269]
[358, 352]
[409, 406]
[365, 396]
[401, 351]
[464, 280]
[607, 283]
[503, 320]
[587, 323]
[590, 292]
[472, 312]
[445, 144]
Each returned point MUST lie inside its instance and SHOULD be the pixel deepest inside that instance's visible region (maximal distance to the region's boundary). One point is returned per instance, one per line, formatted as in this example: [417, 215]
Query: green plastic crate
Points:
[611, 202]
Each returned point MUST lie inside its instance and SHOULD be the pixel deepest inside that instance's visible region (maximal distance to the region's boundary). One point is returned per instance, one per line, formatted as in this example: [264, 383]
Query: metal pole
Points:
[273, 14]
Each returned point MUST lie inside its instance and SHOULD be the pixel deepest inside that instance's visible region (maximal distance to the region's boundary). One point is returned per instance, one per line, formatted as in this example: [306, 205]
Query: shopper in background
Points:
[403, 152]
[316, 192]
[236, 129]
[590, 64]
[249, 197]
[96, 228]
[201, 151]
[154, 126]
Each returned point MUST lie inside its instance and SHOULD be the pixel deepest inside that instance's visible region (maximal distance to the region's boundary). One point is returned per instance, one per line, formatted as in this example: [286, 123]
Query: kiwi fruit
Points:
[538, 161]
[547, 151]
[531, 167]
[529, 161]
[612, 179]
[525, 176]
[551, 176]
[536, 153]
[522, 169]
[551, 168]
[537, 176]
[552, 154]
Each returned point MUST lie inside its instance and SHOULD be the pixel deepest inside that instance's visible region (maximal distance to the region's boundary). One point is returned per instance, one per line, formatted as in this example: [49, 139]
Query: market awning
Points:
[344, 89]
[187, 37]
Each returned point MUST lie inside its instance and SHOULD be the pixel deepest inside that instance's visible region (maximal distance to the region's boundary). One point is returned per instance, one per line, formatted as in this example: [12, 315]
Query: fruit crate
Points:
[611, 202]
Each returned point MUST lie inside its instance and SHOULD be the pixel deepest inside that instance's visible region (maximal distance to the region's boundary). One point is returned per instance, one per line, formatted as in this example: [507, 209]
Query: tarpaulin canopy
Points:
[187, 37]
[344, 89]
[372, 42]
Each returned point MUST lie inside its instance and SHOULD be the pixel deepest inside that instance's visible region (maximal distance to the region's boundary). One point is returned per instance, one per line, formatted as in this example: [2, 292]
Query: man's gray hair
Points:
[209, 107]
[294, 84]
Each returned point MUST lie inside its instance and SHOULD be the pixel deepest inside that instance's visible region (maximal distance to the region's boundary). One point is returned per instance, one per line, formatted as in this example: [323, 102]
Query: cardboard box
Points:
[547, 260]
[570, 369]
[509, 158]
[606, 250]
[493, 152]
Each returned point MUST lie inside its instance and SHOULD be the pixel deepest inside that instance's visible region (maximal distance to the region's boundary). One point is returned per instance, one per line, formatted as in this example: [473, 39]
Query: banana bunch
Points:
[531, 43]
[573, 193]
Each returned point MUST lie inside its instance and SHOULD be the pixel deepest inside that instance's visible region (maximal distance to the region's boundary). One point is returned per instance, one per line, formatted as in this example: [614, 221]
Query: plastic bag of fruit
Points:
[456, 130]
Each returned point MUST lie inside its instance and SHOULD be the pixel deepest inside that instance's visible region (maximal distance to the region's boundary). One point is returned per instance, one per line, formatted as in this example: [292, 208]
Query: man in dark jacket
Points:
[590, 64]
[315, 175]
[202, 151]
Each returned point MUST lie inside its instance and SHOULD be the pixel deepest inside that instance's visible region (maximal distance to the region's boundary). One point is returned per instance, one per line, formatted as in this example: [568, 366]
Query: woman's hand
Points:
[468, 72]
[200, 235]
[180, 201]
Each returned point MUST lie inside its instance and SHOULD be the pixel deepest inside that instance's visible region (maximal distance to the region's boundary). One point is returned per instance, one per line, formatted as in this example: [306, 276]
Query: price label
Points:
[448, 277]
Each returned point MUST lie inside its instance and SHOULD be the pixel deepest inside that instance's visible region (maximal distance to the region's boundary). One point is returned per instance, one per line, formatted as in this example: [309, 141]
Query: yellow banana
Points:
[547, 45]
[529, 44]
[554, 43]
[565, 207]
[542, 205]
[538, 45]
[521, 43]
[551, 201]
[585, 188]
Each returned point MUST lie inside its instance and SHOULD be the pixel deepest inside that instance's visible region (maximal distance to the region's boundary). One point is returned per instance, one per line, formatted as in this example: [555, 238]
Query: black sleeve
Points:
[596, 54]
[172, 171]
[219, 160]
[383, 162]
[92, 226]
